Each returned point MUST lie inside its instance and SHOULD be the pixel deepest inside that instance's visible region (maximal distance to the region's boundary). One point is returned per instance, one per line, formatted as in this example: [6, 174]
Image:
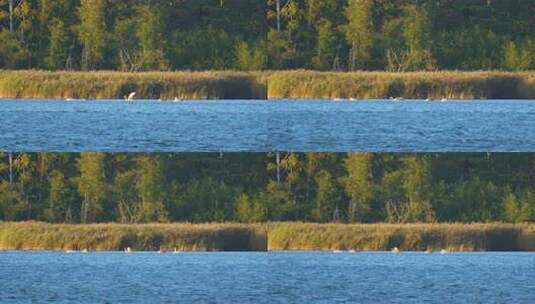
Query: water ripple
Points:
[262, 126]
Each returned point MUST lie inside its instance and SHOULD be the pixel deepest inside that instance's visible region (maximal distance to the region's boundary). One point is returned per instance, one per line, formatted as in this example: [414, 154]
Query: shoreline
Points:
[284, 236]
[267, 85]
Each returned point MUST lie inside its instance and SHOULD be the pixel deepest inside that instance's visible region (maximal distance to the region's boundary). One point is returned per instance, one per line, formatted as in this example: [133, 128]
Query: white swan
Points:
[130, 96]
[443, 251]
[395, 250]
[127, 250]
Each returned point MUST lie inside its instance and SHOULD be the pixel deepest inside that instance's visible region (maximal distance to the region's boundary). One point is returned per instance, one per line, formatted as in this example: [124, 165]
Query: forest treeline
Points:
[393, 35]
[258, 187]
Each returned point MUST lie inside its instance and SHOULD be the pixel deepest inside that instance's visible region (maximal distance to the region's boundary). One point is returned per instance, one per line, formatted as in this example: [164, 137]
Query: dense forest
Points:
[393, 35]
[257, 187]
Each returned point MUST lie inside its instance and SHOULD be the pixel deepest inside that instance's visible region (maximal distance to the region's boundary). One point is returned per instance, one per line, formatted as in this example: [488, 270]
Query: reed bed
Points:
[434, 85]
[270, 236]
[117, 85]
[411, 237]
[269, 84]
[146, 237]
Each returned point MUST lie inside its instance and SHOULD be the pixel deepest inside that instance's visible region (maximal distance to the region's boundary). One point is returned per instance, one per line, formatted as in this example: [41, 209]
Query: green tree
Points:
[127, 45]
[92, 32]
[151, 189]
[359, 32]
[125, 196]
[281, 52]
[325, 197]
[519, 57]
[250, 56]
[58, 48]
[12, 206]
[59, 200]
[511, 207]
[92, 186]
[326, 46]
[152, 40]
[13, 55]
[358, 185]
[250, 209]
[527, 211]
[417, 34]
[417, 185]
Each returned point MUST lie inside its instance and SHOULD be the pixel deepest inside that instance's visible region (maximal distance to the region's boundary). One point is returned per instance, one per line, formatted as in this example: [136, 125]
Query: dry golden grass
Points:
[453, 237]
[116, 85]
[184, 237]
[271, 236]
[268, 84]
[436, 85]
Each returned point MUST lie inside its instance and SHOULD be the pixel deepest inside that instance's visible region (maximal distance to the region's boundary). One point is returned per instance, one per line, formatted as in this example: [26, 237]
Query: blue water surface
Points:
[263, 126]
[267, 277]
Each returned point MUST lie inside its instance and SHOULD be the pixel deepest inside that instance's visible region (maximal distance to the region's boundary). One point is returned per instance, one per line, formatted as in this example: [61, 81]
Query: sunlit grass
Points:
[117, 85]
[267, 84]
[270, 236]
[434, 85]
[452, 237]
[183, 237]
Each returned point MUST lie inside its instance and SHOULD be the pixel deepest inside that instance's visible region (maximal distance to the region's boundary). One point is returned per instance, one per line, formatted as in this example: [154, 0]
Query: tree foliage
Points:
[256, 187]
[391, 35]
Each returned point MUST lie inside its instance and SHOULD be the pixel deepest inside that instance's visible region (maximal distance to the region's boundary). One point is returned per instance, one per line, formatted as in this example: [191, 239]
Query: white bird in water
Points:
[127, 250]
[84, 251]
[130, 96]
[444, 99]
[395, 250]
[443, 251]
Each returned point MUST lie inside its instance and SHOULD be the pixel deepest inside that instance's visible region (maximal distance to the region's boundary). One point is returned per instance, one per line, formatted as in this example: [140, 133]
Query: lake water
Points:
[263, 126]
[274, 277]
